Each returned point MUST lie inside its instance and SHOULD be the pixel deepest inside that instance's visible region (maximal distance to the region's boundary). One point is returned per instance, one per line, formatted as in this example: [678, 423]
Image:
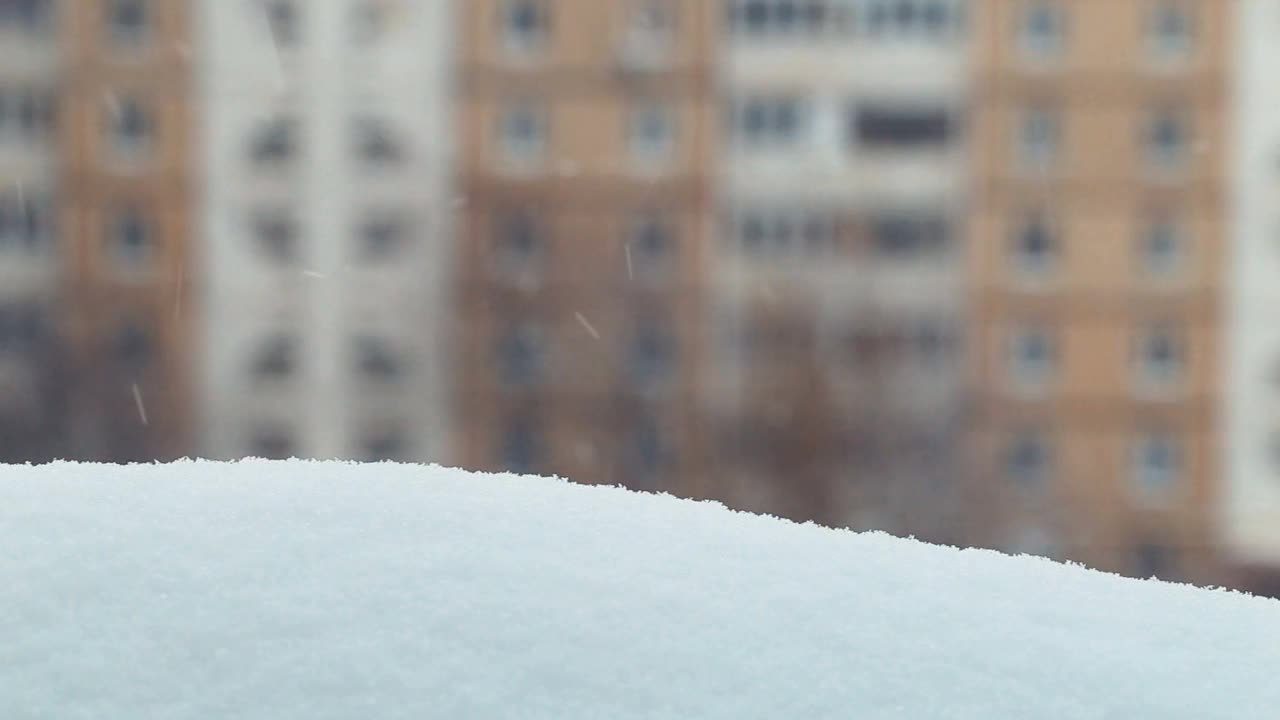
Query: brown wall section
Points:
[108, 297]
[1100, 198]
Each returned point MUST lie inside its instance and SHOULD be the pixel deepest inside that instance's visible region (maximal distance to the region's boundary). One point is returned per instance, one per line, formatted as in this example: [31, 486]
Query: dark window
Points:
[130, 237]
[1159, 355]
[526, 23]
[376, 359]
[131, 127]
[650, 356]
[277, 235]
[902, 127]
[1043, 27]
[520, 448]
[381, 236]
[131, 346]
[1028, 460]
[650, 247]
[1035, 246]
[646, 455]
[1154, 560]
[519, 243]
[376, 143]
[1170, 27]
[27, 15]
[770, 120]
[1168, 137]
[127, 21]
[20, 327]
[274, 142]
[276, 358]
[272, 444]
[24, 222]
[1162, 247]
[282, 18]
[388, 444]
[906, 235]
[520, 355]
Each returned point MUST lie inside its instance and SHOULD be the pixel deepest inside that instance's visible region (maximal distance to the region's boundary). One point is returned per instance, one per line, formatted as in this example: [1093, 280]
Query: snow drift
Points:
[326, 590]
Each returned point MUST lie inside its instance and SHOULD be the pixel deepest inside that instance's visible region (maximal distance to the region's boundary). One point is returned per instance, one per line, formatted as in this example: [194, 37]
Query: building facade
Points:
[326, 228]
[838, 276]
[32, 376]
[124, 223]
[1097, 239]
[584, 138]
[1250, 518]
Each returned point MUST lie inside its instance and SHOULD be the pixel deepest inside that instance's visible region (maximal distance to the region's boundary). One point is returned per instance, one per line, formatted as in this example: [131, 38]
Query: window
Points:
[272, 444]
[131, 346]
[770, 122]
[127, 22]
[1154, 560]
[375, 142]
[1035, 246]
[1162, 248]
[646, 454]
[523, 134]
[1159, 356]
[20, 327]
[519, 245]
[1028, 460]
[1169, 29]
[787, 18]
[1156, 465]
[385, 444]
[375, 359]
[25, 223]
[651, 134]
[130, 237]
[1166, 139]
[908, 235]
[26, 15]
[382, 235]
[526, 24]
[910, 19]
[283, 22]
[521, 355]
[1042, 28]
[650, 356]
[276, 357]
[1032, 356]
[651, 26]
[520, 448]
[1039, 135]
[785, 233]
[130, 125]
[274, 142]
[276, 233]
[26, 113]
[650, 245]
[902, 128]
[934, 341]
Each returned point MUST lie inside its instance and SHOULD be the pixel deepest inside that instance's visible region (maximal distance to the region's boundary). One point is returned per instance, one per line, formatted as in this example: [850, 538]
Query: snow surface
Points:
[313, 590]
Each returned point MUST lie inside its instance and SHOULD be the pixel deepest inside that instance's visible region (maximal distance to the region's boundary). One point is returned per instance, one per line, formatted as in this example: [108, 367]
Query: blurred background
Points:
[993, 273]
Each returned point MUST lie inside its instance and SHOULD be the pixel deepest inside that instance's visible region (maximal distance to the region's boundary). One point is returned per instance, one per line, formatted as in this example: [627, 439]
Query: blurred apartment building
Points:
[1250, 493]
[325, 238]
[584, 135]
[93, 101]
[836, 289]
[1097, 233]
[32, 414]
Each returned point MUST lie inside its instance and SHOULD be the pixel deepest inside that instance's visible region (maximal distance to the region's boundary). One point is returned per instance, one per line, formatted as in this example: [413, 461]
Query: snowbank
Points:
[312, 590]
